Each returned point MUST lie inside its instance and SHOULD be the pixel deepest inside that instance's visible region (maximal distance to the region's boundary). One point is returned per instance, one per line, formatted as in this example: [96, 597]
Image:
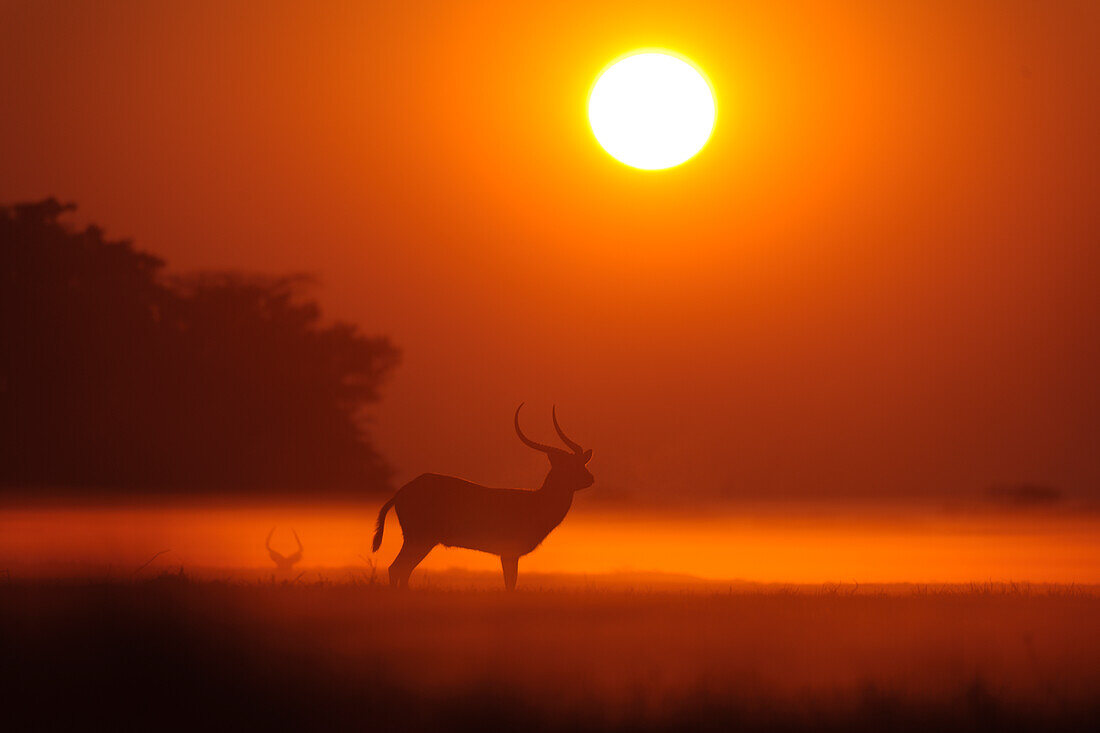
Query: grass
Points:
[347, 652]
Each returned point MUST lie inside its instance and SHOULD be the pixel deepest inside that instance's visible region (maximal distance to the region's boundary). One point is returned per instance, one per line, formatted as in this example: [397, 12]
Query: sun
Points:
[651, 110]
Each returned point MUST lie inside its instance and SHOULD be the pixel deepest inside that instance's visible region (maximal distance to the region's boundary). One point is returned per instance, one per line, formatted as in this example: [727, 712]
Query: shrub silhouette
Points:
[114, 374]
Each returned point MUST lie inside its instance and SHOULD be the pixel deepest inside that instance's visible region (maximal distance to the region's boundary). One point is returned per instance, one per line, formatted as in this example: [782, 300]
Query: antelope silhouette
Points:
[284, 563]
[444, 510]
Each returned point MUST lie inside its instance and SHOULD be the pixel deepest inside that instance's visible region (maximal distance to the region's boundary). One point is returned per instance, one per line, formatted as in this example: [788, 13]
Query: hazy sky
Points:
[878, 279]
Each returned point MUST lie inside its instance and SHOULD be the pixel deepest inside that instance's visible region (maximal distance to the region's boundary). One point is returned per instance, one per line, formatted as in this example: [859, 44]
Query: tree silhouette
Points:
[115, 374]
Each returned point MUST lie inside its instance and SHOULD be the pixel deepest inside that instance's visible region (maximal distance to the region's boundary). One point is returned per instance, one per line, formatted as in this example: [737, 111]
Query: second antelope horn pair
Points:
[573, 446]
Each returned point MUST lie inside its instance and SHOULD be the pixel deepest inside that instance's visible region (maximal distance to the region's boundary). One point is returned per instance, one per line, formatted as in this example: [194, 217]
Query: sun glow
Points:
[651, 110]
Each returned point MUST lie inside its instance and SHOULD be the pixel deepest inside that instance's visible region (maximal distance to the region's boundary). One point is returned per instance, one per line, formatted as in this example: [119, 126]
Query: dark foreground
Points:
[171, 653]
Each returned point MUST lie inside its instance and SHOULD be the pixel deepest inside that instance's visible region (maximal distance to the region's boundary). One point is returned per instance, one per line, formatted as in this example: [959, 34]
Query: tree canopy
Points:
[114, 373]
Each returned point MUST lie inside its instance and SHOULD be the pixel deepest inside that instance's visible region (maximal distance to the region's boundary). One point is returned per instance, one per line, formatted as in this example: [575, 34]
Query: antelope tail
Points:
[381, 525]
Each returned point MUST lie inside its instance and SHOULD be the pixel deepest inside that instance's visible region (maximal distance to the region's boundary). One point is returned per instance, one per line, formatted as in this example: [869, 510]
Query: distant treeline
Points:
[115, 374]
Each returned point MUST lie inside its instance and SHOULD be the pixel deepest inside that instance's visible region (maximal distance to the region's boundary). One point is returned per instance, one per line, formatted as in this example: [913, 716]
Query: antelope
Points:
[443, 510]
[284, 563]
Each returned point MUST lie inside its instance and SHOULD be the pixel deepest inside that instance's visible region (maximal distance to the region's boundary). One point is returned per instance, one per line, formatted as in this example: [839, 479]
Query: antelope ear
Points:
[587, 455]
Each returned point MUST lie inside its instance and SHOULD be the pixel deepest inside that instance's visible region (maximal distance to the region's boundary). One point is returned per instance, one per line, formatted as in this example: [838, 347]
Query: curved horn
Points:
[575, 447]
[267, 542]
[527, 441]
[296, 557]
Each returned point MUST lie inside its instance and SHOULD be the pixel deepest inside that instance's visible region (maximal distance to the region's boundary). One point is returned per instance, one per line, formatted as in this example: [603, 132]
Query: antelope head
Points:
[568, 469]
[281, 562]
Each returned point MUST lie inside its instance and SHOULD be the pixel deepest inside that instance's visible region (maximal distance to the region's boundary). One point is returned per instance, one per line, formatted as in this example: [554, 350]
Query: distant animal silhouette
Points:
[444, 510]
[284, 563]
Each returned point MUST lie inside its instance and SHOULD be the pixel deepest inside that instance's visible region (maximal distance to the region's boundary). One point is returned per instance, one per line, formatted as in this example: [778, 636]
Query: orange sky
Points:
[878, 279]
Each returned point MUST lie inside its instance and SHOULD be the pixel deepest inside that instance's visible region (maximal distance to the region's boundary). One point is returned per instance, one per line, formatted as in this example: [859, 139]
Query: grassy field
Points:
[173, 652]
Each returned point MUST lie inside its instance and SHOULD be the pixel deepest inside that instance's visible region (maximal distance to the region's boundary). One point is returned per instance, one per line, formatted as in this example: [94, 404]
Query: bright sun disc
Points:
[651, 110]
